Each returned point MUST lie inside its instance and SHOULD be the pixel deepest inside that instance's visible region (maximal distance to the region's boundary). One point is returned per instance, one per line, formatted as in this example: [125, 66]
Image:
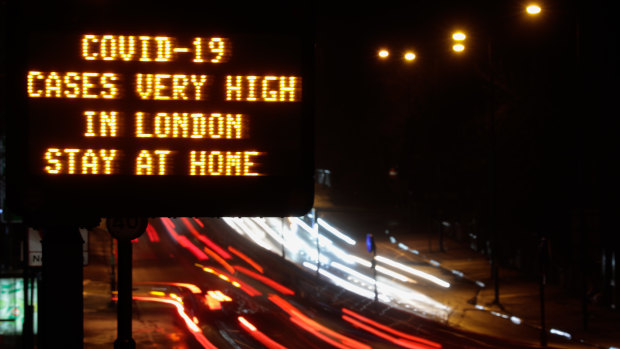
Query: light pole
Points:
[458, 47]
[534, 10]
[458, 39]
[389, 60]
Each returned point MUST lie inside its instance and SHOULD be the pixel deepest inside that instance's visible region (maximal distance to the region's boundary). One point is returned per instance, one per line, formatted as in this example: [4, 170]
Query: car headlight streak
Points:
[335, 232]
[338, 265]
[413, 271]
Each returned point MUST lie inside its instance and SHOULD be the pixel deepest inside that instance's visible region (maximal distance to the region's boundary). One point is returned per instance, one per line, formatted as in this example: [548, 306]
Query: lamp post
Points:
[401, 66]
[534, 10]
[458, 47]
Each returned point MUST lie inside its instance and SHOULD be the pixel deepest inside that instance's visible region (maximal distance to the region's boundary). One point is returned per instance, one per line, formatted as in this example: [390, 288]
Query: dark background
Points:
[537, 95]
[519, 130]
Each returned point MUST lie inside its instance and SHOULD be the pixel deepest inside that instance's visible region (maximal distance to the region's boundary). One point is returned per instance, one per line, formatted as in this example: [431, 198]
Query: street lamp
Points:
[533, 9]
[459, 36]
[458, 48]
[459, 39]
[409, 56]
[383, 53]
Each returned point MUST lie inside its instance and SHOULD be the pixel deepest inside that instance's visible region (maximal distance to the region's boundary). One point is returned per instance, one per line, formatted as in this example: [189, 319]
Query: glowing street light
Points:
[409, 56]
[459, 37]
[458, 48]
[533, 9]
[383, 54]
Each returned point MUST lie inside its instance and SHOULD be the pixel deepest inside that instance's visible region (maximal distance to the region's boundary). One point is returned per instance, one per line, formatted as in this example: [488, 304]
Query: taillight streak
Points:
[212, 245]
[251, 291]
[220, 260]
[265, 280]
[320, 331]
[191, 326]
[247, 259]
[182, 240]
[258, 335]
[152, 233]
[426, 342]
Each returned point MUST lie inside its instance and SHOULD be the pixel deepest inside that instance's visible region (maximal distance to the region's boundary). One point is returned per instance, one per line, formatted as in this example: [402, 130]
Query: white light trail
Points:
[561, 333]
[413, 271]
[238, 225]
[393, 274]
[352, 272]
[274, 235]
[336, 232]
[380, 269]
[310, 266]
[361, 261]
[353, 288]
[322, 239]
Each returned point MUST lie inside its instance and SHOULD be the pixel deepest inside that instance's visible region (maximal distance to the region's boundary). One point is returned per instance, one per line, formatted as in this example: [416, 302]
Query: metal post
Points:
[371, 246]
[374, 273]
[315, 228]
[112, 266]
[282, 237]
[441, 226]
[62, 279]
[581, 195]
[604, 276]
[124, 310]
[614, 293]
[125, 230]
[492, 178]
[27, 332]
[543, 257]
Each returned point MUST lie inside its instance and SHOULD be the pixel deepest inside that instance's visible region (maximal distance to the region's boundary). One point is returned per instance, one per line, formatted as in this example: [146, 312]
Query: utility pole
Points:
[372, 248]
[62, 278]
[543, 255]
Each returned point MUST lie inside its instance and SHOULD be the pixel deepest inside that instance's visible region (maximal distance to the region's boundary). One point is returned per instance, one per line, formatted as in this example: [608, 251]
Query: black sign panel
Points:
[129, 110]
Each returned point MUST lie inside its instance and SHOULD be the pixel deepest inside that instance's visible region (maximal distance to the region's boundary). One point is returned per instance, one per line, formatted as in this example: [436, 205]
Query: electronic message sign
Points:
[163, 115]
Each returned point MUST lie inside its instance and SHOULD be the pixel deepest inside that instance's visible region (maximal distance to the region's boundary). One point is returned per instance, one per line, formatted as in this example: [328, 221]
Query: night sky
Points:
[526, 115]
[521, 127]
[551, 97]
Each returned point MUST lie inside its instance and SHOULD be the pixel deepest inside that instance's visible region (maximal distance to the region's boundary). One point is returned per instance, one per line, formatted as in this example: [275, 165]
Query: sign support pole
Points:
[62, 280]
[124, 310]
[372, 248]
[125, 230]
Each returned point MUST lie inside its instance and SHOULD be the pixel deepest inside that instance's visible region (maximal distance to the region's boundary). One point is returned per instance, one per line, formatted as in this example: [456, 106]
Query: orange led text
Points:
[72, 85]
[80, 161]
[252, 88]
[144, 48]
[105, 122]
[170, 86]
[222, 163]
[153, 162]
[190, 125]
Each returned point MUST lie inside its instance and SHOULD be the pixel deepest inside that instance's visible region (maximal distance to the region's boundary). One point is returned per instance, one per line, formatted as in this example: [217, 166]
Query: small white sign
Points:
[84, 233]
[35, 248]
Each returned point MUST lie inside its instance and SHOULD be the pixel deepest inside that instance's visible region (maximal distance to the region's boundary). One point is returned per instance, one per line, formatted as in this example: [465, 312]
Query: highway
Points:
[228, 299]
[255, 282]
